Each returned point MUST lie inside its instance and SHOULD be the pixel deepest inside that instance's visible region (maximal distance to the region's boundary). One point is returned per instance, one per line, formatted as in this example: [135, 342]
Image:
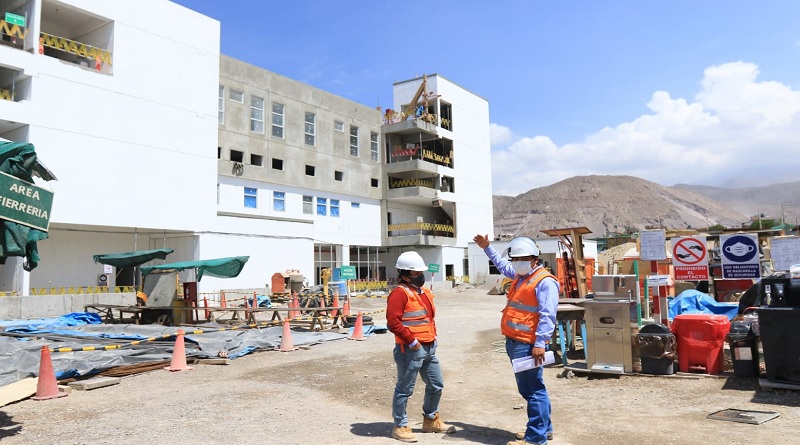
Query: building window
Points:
[219, 152]
[279, 201]
[237, 156]
[322, 206]
[338, 126]
[256, 160]
[277, 164]
[339, 176]
[277, 120]
[218, 194]
[355, 205]
[250, 198]
[335, 208]
[353, 141]
[257, 114]
[311, 128]
[308, 205]
[373, 146]
[221, 106]
[374, 182]
[310, 170]
[236, 96]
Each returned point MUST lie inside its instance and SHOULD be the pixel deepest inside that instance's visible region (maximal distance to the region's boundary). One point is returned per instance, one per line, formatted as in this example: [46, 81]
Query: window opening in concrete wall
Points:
[308, 205]
[310, 170]
[311, 128]
[250, 197]
[221, 106]
[277, 120]
[236, 96]
[257, 114]
[277, 164]
[338, 126]
[374, 182]
[69, 34]
[219, 152]
[256, 160]
[446, 120]
[353, 141]
[355, 205]
[335, 208]
[448, 184]
[373, 146]
[279, 201]
[339, 176]
[322, 206]
[237, 156]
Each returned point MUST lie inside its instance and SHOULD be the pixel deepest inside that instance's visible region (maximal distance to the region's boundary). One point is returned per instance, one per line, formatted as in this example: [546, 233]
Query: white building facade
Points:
[158, 141]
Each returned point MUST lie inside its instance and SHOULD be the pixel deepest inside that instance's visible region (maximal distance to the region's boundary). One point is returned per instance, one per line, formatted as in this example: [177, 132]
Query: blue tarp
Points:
[695, 302]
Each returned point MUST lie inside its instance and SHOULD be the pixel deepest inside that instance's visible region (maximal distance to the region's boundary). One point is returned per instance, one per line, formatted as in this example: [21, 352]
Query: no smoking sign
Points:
[690, 258]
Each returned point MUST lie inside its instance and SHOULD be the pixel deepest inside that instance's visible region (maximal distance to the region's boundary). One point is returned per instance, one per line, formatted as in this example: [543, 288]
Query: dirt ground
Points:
[340, 392]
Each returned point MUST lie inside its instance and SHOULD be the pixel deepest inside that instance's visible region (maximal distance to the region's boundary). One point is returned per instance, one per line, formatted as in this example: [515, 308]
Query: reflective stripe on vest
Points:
[416, 317]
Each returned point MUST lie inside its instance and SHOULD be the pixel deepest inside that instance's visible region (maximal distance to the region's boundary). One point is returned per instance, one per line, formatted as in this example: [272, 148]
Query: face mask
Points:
[522, 267]
[418, 281]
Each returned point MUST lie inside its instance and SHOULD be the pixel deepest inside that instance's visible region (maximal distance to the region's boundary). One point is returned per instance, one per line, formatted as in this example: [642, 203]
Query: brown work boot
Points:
[521, 435]
[436, 425]
[403, 434]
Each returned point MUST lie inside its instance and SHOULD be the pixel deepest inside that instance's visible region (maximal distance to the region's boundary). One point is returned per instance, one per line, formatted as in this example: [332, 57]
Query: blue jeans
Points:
[422, 362]
[530, 384]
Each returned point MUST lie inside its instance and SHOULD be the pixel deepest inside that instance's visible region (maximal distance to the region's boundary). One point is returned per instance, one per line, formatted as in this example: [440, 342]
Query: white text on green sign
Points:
[348, 272]
[24, 203]
[433, 268]
[15, 19]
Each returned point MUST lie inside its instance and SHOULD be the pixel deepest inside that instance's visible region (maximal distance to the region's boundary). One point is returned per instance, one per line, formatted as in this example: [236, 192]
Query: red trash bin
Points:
[701, 338]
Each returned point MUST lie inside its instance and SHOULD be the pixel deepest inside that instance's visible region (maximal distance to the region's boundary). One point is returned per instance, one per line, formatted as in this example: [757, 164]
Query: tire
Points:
[350, 320]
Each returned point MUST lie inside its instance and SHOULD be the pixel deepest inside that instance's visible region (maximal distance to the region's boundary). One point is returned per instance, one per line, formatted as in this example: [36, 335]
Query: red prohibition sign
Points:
[689, 251]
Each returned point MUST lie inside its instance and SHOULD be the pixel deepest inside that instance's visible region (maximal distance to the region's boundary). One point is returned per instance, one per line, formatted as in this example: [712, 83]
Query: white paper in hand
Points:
[526, 363]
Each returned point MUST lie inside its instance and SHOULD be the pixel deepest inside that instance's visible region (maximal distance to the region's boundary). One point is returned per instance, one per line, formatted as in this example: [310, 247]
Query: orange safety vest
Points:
[416, 317]
[521, 314]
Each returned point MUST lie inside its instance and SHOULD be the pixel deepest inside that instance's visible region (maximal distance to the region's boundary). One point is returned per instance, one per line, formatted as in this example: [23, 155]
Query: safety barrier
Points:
[80, 290]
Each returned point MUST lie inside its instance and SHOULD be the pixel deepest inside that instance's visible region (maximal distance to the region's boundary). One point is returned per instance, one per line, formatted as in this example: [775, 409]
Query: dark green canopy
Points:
[18, 159]
[127, 259]
[220, 267]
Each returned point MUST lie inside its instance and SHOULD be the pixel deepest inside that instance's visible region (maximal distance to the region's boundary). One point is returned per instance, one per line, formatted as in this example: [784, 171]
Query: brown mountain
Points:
[609, 204]
[777, 201]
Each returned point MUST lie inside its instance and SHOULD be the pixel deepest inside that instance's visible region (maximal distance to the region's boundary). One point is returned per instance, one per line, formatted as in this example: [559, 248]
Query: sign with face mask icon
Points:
[740, 256]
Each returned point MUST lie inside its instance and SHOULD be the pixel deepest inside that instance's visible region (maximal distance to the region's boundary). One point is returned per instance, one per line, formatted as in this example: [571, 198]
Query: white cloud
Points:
[736, 127]
[500, 135]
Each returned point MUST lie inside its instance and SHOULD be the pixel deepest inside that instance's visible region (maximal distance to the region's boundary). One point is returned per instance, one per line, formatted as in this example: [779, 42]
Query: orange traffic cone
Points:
[178, 355]
[222, 302]
[346, 308]
[286, 338]
[47, 388]
[358, 330]
[335, 310]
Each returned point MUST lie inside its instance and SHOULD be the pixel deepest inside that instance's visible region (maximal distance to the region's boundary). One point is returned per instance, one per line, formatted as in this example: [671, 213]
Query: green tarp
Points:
[220, 267]
[19, 160]
[128, 259]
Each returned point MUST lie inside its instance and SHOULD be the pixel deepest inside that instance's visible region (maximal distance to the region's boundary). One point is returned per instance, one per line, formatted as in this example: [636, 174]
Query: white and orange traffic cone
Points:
[47, 387]
[178, 355]
[286, 338]
[358, 329]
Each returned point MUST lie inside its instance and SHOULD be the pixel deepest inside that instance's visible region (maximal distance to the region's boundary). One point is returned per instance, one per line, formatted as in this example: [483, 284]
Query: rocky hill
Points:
[609, 204]
[777, 201]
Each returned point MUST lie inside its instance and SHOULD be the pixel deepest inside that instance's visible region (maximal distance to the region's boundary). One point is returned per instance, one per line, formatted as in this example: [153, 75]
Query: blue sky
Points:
[679, 91]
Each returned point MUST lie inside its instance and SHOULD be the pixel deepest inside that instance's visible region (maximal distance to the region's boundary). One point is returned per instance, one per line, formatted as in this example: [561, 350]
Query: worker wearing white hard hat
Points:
[410, 316]
[527, 323]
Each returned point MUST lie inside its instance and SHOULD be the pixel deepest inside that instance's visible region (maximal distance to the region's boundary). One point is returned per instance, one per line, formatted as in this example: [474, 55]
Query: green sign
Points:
[348, 273]
[13, 19]
[24, 203]
[433, 268]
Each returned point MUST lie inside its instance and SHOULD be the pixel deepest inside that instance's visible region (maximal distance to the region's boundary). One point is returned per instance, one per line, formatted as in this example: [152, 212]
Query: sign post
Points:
[25, 203]
[433, 268]
[348, 273]
[652, 247]
[740, 256]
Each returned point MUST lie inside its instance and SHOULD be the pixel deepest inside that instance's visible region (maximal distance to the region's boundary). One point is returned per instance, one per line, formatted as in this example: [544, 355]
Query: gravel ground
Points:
[340, 392]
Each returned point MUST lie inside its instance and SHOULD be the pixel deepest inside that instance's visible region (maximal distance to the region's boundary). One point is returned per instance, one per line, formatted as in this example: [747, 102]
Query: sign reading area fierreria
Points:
[24, 203]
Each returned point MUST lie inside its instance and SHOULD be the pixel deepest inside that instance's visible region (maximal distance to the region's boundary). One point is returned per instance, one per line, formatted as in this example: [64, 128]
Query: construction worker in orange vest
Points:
[527, 323]
[410, 317]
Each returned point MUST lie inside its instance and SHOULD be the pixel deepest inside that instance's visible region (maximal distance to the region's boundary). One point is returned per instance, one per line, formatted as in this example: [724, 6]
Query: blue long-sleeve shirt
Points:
[546, 293]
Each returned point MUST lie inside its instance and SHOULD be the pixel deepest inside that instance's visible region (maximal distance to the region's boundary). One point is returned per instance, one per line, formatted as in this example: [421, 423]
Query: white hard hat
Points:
[411, 261]
[522, 246]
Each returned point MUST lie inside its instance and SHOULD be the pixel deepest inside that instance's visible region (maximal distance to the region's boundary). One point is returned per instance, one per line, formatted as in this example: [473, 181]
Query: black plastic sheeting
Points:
[21, 344]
